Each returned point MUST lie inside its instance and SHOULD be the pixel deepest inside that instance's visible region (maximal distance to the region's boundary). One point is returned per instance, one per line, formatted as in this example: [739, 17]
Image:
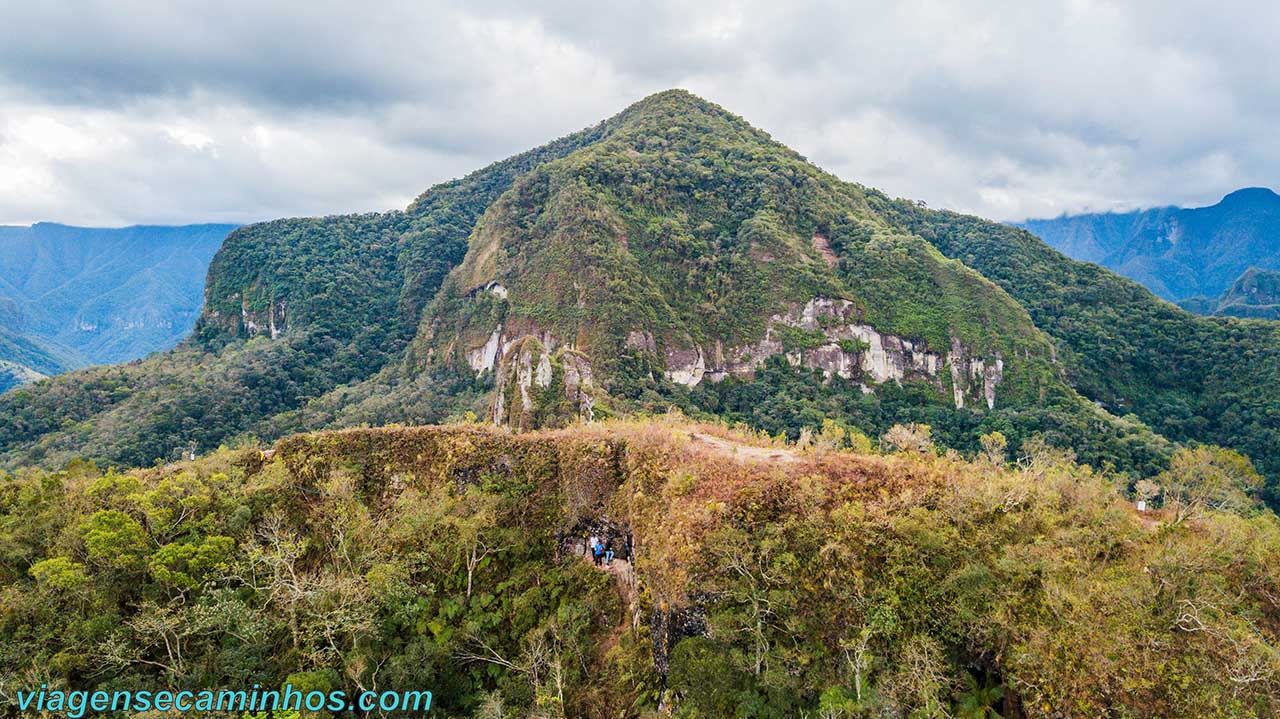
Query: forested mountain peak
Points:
[672, 255]
[1256, 293]
[687, 242]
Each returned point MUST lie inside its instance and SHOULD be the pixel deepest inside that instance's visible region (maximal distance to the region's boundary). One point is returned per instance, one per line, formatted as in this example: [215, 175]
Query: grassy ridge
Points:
[766, 580]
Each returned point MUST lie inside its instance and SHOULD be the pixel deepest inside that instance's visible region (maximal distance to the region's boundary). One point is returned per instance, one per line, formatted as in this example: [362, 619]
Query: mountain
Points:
[670, 256]
[101, 296]
[343, 293]
[1177, 253]
[1256, 293]
[1192, 379]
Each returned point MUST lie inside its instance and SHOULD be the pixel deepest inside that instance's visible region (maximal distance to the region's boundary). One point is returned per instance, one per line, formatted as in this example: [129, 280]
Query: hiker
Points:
[608, 553]
[597, 550]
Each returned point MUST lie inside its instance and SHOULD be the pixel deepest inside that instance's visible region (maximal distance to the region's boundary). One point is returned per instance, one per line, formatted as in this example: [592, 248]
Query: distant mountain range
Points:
[1191, 256]
[77, 296]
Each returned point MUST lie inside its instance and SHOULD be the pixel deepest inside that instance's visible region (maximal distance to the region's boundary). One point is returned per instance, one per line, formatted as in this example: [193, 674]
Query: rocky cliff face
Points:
[257, 316]
[542, 381]
[829, 340]
[541, 386]
[539, 380]
[825, 335]
[971, 376]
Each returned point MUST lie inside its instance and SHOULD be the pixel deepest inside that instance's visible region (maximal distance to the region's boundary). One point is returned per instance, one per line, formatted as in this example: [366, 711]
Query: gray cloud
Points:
[115, 112]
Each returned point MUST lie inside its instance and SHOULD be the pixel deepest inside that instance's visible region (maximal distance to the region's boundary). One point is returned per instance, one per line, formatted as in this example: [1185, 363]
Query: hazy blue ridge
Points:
[75, 296]
[1177, 253]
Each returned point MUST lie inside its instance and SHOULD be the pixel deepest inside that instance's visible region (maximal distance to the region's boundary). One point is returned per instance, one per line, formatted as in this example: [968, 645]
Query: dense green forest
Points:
[1255, 293]
[717, 224]
[925, 506]
[753, 578]
[346, 291]
[1190, 378]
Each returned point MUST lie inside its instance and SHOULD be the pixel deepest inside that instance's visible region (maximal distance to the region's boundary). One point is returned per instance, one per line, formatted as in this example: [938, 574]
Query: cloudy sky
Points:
[128, 112]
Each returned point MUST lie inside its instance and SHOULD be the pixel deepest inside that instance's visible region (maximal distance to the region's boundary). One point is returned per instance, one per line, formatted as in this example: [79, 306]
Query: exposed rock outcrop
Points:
[668, 625]
[540, 387]
[971, 376]
[485, 357]
[825, 334]
[686, 367]
[829, 340]
[823, 247]
[254, 324]
[643, 341]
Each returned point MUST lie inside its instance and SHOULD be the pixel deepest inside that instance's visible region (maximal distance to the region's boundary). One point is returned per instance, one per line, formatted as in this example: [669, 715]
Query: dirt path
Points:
[742, 451]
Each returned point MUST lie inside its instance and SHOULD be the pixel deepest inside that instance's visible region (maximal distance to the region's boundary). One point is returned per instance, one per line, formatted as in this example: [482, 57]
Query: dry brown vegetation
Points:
[783, 578]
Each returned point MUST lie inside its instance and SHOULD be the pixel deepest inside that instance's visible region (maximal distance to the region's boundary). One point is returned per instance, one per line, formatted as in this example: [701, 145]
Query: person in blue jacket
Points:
[597, 551]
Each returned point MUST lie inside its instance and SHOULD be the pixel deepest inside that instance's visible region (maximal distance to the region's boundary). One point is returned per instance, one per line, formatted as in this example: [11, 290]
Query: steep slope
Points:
[293, 309]
[26, 358]
[672, 255]
[1190, 378]
[1176, 253]
[687, 254]
[108, 295]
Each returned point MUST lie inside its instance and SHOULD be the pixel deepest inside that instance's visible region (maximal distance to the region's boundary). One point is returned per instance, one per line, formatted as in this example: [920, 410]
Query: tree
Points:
[114, 540]
[60, 573]
[994, 447]
[913, 437]
[979, 700]
[1209, 478]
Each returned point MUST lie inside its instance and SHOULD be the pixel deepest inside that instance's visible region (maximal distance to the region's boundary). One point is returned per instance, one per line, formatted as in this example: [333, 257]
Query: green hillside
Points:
[672, 255]
[346, 291]
[1190, 378]
[24, 358]
[1254, 294]
[855, 458]
[688, 241]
